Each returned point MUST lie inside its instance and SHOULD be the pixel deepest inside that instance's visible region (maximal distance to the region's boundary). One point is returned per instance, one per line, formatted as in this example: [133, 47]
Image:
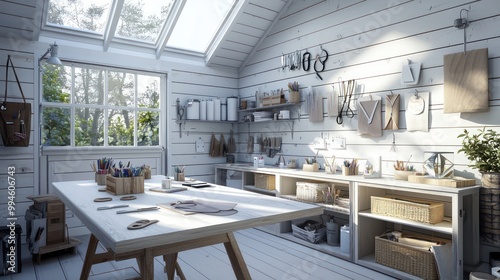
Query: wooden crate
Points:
[273, 100]
[410, 208]
[125, 185]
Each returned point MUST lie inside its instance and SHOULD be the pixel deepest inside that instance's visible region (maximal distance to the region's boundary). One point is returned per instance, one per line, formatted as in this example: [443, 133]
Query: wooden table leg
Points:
[237, 262]
[89, 257]
[172, 266]
[146, 265]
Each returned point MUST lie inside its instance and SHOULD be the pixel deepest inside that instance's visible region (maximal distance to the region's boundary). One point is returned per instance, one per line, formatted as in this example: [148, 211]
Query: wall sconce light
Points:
[53, 59]
[462, 23]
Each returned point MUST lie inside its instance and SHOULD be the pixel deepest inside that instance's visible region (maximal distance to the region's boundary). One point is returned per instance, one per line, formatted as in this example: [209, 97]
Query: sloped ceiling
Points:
[234, 46]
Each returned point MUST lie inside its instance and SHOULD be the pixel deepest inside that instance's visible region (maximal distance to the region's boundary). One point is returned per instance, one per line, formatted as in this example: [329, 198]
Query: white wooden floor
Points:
[267, 257]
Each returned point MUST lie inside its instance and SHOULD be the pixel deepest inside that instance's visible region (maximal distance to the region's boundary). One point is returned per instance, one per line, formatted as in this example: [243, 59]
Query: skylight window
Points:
[143, 19]
[90, 15]
[198, 21]
[198, 24]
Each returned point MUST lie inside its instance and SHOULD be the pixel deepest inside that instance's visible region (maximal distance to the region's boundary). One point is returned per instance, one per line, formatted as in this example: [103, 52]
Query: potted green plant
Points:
[483, 151]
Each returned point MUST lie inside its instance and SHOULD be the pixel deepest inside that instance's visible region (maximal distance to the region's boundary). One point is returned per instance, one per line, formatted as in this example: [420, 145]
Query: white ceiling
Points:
[235, 45]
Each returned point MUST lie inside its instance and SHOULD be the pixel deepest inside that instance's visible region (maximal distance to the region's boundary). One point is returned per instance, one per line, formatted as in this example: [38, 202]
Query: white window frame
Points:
[161, 110]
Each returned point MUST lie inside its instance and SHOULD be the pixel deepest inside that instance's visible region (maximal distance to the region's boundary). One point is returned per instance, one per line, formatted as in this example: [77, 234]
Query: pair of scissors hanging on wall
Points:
[346, 90]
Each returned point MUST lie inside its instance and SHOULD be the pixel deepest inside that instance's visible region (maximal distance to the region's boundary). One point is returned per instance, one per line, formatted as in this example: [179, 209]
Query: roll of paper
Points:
[210, 110]
[217, 107]
[203, 110]
[232, 109]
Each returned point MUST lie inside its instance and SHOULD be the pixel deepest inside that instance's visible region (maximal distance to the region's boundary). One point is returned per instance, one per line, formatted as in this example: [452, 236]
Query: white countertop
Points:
[111, 228]
[321, 175]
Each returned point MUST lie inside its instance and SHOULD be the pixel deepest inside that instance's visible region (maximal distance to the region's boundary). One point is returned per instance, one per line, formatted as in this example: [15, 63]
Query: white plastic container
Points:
[345, 242]
[232, 109]
[223, 109]
[210, 110]
[193, 109]
[217, 108]
[203, 110]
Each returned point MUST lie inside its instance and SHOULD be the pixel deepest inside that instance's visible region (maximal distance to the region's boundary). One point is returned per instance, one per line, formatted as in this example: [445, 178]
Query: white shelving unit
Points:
[460, 224]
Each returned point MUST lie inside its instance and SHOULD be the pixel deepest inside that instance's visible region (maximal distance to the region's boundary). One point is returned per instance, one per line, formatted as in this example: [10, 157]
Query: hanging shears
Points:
[322, 62]
[346, 90]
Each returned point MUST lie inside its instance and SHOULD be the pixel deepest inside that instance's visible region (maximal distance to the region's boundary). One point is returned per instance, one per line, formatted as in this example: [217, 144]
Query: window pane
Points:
[148, 129]
[143, 20]
[121, 128]
[56, 126]
[89, 127]
[89, 86]
[89, 15]
[56, 84]
[121, 89]
[148, 91]
[198, 24]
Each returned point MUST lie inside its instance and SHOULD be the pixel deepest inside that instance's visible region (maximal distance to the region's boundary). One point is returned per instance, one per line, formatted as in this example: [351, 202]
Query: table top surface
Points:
[111, 229]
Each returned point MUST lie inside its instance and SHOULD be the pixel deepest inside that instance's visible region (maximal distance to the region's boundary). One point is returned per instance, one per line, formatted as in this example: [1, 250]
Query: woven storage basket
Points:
[264, 181]
[313, 192]
[408, 208]
[410, 259]
[316, 236]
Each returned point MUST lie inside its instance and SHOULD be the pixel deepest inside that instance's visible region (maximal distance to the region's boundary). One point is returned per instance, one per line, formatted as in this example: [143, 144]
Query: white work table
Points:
[174, 232]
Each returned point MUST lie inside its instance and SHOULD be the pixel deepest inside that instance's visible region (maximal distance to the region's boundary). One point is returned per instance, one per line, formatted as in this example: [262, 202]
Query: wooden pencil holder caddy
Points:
[124, 185]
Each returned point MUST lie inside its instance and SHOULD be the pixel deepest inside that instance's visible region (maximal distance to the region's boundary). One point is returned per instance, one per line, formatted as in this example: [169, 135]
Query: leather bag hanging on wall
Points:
[391, 112]
[15, 117]
[370, 116]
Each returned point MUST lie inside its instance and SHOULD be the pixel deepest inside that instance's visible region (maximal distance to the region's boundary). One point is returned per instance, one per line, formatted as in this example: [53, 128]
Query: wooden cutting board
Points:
[466, 82]
[456, 182]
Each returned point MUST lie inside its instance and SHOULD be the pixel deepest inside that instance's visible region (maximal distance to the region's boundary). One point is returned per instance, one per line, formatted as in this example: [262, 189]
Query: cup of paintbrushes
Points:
[179, 177]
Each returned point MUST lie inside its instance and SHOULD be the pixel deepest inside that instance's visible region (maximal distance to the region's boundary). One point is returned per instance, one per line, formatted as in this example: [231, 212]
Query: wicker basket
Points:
[264, 181]
[407, 258]
[313, 192]
[411, 208]
[317, 236]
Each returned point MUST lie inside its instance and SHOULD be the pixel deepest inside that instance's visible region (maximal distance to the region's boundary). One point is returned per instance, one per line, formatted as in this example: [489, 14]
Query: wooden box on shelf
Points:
[124, 185]
[314, 167]
[273, 100]
[410, 208]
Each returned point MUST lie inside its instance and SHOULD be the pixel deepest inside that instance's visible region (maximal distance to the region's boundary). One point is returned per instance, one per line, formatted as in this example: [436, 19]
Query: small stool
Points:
[481, 276]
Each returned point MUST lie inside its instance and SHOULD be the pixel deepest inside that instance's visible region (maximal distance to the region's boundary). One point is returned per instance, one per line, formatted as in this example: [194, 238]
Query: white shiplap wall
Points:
[369, 41]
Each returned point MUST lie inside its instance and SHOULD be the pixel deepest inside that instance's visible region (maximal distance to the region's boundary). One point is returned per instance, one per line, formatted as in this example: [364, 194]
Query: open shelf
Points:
[323, 246]
[265, 108]
[444, 227]
[333, 208]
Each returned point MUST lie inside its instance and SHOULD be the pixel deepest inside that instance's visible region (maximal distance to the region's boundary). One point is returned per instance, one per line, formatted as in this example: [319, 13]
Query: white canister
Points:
[285, 114]
[193, 109]
[345, 242]
[223, 109]
[255, 161]
[203, 110]
[166, 183]
[217, 114]
[232, 109]
[210, 110]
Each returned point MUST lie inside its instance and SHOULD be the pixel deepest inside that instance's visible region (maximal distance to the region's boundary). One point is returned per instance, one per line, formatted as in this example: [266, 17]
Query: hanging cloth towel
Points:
[222, 146]
[391, 112]
[214, 146]
[417, 112]
[316, 110]
[231, 144]
[332, 109]
[370, 117]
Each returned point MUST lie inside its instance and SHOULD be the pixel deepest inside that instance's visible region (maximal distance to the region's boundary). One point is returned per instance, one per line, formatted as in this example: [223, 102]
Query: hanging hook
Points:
[416, 93]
